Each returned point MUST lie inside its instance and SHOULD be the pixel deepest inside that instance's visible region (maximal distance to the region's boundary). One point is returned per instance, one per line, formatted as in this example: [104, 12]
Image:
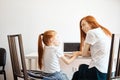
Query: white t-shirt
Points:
[100, 48]
[51, 58]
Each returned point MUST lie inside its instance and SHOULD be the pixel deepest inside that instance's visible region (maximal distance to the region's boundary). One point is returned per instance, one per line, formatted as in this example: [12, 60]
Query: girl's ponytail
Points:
[40, 51]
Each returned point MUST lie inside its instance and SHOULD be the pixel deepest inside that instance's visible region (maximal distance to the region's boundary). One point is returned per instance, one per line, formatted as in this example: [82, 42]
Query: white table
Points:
[34, 56]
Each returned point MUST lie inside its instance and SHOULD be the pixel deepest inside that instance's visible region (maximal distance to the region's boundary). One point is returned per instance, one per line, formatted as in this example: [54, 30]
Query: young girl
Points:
[49, 54]
[95, 43]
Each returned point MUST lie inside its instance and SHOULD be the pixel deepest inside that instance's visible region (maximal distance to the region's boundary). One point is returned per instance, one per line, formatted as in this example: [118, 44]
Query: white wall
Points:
[32, 17]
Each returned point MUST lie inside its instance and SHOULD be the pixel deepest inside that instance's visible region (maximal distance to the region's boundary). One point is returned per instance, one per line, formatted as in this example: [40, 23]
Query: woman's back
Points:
[100, 45]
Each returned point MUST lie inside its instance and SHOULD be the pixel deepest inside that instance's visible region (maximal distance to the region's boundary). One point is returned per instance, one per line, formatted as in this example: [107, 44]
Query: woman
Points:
[95, 43]
[49, 54]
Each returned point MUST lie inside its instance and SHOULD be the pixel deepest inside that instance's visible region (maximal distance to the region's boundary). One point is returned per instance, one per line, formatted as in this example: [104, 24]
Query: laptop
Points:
[70, 47]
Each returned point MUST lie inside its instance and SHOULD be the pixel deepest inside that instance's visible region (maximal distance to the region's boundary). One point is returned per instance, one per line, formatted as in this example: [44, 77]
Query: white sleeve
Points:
[90, 38]
[59, 52]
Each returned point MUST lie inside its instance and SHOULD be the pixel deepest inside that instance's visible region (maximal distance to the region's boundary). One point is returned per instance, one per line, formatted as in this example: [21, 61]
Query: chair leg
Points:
[15, 77]
[4, 75]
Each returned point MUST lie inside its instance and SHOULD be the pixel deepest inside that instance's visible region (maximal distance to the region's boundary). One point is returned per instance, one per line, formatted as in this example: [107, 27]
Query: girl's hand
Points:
[68, 55]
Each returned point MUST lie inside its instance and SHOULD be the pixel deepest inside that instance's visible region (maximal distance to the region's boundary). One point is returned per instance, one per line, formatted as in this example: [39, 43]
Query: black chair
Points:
[114, 56]
[18, 60]
[3, 62]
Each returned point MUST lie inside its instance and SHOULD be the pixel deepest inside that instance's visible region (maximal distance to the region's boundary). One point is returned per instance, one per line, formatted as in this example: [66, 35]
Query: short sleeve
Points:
[90, 38]
[59, 52]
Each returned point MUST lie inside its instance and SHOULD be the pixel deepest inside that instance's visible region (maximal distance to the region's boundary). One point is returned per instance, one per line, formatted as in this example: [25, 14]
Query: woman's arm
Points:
[85, 52]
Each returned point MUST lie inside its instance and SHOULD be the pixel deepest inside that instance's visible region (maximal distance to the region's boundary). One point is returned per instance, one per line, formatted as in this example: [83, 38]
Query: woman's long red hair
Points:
[92, 21]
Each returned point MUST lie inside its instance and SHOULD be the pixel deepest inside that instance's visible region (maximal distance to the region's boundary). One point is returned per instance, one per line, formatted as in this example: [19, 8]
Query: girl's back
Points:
[51, 59]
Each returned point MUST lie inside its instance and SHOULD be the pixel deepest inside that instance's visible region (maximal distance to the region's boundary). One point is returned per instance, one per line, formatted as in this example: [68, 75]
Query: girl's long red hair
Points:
[94, 24]
[40, 51]
[44, 39]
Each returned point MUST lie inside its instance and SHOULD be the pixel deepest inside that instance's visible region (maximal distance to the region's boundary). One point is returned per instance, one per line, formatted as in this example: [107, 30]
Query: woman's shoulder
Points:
[96, 31]
[91, 32]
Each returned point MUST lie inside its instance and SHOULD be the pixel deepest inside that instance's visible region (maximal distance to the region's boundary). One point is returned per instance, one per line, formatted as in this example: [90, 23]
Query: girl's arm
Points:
[69, 60]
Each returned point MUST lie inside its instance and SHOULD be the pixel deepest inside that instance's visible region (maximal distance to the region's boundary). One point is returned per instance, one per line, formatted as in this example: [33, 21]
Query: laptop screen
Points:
[70, 47]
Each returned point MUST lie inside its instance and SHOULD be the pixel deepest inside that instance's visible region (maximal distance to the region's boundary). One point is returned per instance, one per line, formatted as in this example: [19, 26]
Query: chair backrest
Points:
[2, 57]
[17, 56]
[114, 59]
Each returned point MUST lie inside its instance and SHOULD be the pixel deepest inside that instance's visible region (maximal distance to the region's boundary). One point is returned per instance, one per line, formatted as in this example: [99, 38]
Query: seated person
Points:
[49, 54]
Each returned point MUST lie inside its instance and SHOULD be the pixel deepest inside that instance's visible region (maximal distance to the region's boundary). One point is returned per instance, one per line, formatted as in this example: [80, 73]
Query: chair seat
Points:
[37, 74]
